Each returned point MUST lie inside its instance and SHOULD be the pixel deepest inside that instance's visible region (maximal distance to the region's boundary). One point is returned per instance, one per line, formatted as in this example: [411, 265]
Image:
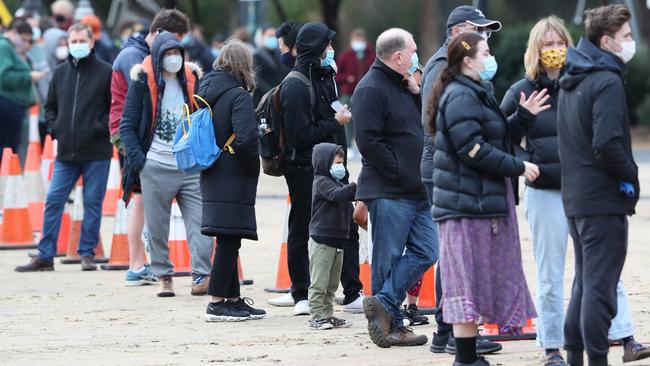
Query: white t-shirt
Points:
[171, 112]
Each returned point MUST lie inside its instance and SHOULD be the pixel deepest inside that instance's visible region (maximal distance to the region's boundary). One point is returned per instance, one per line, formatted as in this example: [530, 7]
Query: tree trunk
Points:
[330, 11]
[279, 9]
[429, 29]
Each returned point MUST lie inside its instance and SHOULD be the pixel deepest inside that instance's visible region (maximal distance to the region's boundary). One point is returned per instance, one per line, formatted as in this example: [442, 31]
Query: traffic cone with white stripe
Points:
[179, 252]
[109, 207]
[72, 256]
[282, 280]
[119, 259]
[34, 185]
[47, 160]
[16, 230]
[4, 172]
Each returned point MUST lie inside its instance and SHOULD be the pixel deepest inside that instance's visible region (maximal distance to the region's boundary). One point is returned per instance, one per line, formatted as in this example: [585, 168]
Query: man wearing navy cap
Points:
[462, 19]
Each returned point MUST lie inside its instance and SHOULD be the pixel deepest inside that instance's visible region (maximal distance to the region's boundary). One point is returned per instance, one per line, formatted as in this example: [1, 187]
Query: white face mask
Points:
[628, 49]
[61, 53]
[172, 63]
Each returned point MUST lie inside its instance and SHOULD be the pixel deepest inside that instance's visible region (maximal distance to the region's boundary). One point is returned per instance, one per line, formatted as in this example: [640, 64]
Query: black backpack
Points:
[270, 126]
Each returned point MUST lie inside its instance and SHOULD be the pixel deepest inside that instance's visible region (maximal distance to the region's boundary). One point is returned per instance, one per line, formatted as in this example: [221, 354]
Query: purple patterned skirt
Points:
[482, 273]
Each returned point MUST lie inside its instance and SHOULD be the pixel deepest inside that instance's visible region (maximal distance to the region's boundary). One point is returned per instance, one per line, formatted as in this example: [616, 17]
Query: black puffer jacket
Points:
[304, 126]
[594, 136]
[229, 186]
[473, 153]
[77, 108]
[540, 132]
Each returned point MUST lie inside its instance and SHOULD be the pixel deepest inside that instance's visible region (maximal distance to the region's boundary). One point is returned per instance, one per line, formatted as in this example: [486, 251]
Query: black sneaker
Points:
[479, 362]
[439, 343]
[413, 314]
[36, 265]
[244, 304]
[483, 346]
[224, 311]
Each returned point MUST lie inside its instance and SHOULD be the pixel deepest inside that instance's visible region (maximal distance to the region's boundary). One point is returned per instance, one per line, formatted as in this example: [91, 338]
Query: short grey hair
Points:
[80, 28]
[391, 41]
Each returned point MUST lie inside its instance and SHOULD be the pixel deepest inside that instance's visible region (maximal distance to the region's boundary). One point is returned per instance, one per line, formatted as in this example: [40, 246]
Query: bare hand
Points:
[531, 172]
[535, 102]
[343, 116]
[37, 75]
[413, 86]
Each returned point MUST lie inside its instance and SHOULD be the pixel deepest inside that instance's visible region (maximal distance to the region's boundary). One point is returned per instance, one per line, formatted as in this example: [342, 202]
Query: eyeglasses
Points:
[475, 29]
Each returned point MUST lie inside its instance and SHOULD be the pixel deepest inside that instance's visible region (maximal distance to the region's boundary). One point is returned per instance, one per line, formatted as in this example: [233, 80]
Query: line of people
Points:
[439, 177]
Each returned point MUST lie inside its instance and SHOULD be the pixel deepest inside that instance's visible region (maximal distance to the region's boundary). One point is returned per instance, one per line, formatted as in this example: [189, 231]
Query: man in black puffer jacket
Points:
[600, 185]
[77, 114]
[305, 125]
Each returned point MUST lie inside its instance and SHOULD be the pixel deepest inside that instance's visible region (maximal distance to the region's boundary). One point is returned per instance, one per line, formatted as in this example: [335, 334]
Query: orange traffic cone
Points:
[242, 280]
[119, 259]
[4, 172]
[179, 253]
[64, 234]
[494, 333]
[34, 135]
[47, 160]
[71, 255]
[109, 207]
[282, 280]
[16, 230]
[427, 298]
[34, 185]
[365, 277]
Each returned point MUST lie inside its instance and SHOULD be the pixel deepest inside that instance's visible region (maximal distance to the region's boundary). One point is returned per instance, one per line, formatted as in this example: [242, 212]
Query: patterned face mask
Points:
[554, 58]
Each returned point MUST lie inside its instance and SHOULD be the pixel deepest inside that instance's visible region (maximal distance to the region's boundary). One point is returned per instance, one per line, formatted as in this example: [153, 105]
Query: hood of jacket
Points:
[51, 40]
[164, 42]
[311, 41]
[323, 157]
[137, 41]
[585, 59]
[216, 83]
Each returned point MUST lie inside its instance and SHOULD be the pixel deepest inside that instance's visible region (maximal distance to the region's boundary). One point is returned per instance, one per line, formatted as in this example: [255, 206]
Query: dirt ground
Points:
[68, 317]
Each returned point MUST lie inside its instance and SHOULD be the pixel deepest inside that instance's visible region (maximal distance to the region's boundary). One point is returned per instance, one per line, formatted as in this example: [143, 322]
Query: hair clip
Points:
[465, 44]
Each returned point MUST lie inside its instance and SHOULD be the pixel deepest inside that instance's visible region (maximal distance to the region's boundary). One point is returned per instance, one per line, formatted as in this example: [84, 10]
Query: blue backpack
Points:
[195, 147]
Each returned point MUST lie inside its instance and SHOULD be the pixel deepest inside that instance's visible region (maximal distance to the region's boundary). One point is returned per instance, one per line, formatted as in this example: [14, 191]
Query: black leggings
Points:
[224, 278]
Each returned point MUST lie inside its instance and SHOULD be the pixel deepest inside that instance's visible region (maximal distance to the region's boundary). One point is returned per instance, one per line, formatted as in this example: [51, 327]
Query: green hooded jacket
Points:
[15, 79]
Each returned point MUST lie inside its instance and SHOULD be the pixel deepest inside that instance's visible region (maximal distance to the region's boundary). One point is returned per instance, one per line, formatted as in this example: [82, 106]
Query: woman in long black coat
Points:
[229, 187]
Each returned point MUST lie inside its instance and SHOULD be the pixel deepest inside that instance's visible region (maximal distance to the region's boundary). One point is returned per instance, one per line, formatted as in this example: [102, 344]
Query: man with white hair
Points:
[386, 105]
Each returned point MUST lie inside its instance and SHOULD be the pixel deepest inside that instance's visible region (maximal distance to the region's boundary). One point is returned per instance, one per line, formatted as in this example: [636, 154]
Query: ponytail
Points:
[445, 77]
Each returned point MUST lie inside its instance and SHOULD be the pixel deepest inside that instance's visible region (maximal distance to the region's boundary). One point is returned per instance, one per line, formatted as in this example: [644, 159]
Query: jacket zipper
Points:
[74, 111]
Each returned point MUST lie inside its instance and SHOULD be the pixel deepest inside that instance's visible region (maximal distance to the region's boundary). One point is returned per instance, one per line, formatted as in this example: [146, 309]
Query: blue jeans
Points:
[398, 224]
[545, 214]
[64, 177]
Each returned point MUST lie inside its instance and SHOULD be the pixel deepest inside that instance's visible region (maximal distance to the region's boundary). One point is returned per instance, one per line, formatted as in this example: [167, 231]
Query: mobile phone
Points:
[337, 106]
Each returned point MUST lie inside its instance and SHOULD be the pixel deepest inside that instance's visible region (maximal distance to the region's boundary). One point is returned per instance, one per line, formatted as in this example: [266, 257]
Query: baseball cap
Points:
[473, 16]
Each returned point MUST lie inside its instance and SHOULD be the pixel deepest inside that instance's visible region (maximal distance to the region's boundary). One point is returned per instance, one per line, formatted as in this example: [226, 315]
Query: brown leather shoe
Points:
[36, 265]
[404, 336]
[634, 351]
[200, 285]
[88, 264]
[379, 321]
[166, 287]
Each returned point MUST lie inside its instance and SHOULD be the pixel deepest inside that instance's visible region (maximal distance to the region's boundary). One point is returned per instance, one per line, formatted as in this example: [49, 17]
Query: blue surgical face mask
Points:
[414, 63]
[215, 52]
[489, 68]
[358, 46]
[271, 43]
[79, 50]
[328, 60]
[186, 39]
[36, 33]
[337, 171]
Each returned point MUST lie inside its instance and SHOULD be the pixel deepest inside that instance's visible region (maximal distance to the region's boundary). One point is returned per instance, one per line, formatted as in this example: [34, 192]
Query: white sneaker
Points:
[301, 308]
[284, 300]
[355, 307]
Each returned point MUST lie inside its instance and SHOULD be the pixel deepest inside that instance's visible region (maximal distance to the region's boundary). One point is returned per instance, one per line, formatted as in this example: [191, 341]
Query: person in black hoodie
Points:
[600, 183]
[76, 112]
[229, 186]
[305, 125]
[269, 71]
[329, 229]
[386, 105]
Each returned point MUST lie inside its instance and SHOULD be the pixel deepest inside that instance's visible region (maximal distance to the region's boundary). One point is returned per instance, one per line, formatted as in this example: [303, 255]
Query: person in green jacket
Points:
[16, 87]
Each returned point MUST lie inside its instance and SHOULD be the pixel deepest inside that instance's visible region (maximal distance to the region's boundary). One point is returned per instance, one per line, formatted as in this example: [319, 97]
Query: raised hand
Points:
[535, 102]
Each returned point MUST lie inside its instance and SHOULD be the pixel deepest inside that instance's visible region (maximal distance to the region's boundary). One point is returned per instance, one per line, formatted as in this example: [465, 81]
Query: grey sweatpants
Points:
[162, 183]
[325, 263]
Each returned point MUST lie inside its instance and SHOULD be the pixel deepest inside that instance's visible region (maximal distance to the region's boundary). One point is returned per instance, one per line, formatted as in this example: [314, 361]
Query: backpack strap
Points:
[300, 76]
[227, 146]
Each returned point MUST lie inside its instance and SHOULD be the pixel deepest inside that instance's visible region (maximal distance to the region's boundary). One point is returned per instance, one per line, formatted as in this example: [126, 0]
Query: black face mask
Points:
[288, 59]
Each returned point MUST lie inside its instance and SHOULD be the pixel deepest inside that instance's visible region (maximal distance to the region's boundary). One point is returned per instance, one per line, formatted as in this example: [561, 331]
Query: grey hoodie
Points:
[331, 207]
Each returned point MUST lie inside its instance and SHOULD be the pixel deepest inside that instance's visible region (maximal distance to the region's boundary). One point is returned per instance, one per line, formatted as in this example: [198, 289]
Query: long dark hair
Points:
[461, 46]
